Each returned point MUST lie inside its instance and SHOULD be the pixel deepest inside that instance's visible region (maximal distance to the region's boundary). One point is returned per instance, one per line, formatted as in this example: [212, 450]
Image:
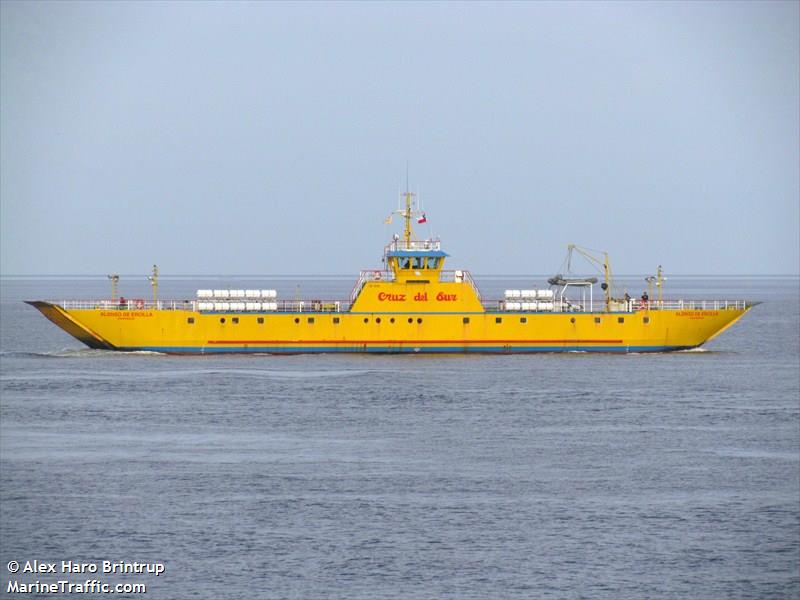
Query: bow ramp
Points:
[60, 317]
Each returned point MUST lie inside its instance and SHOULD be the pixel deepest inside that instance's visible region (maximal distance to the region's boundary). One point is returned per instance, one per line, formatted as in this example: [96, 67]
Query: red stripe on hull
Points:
[414, 342]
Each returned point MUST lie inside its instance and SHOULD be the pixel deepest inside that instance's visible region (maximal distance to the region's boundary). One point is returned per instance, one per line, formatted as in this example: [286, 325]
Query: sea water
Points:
[332, 476]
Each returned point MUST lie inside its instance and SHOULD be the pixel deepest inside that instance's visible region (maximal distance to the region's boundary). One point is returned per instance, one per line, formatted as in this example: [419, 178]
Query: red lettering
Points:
[442, 297]
[383, 296]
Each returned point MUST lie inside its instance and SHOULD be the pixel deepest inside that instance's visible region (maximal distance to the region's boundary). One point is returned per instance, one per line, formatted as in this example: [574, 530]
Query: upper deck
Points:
[343, 306]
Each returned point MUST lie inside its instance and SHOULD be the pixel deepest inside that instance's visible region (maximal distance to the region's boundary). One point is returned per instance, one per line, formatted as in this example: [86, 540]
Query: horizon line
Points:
[350, 276]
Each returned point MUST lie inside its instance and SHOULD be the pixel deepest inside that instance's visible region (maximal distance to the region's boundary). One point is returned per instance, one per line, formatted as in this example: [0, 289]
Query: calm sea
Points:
[543, 476]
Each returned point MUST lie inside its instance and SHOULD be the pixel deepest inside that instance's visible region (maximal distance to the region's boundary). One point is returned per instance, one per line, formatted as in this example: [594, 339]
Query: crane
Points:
[593, 258]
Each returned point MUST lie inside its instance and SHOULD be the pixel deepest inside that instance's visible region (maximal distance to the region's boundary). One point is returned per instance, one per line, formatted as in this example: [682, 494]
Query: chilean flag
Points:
[422, 219]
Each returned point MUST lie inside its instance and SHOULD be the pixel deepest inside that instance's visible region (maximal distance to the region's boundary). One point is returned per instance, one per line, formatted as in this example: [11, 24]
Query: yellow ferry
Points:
[410, 305]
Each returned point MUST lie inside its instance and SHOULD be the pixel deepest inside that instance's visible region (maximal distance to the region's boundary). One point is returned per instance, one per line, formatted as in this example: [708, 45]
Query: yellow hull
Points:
[189, 331]
[412, 305]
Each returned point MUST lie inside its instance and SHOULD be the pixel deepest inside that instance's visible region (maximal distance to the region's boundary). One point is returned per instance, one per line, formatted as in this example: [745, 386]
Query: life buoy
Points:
[138, 303]
[376, 275]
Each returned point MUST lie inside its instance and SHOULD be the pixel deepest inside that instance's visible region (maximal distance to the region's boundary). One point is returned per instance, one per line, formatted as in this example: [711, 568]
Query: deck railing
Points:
[459, 275]
[337, 306]
[559, 306]
[369, 275]
[413, 245]
[135, 305]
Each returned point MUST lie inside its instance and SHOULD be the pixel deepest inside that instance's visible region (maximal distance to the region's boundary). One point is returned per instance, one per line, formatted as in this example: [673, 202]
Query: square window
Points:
[335, 320]
[597, 319]
[190, 320]
[466, 320]
[523, 319]
[235, 319]
[311, 320]
[646, 320]
[260, 320]
[620, 319]
[498, 319]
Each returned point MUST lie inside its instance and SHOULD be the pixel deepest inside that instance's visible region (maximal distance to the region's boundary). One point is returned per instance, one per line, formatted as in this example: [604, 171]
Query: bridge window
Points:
[417, 262]
[403, 262]
[433, 262]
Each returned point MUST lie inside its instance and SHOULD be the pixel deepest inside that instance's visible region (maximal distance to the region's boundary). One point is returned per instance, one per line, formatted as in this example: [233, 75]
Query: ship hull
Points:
[193, 332]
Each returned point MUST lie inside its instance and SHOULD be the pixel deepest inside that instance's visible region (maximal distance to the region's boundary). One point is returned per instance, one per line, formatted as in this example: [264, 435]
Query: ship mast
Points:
[114, 286]
[154, 282]
[407, 231]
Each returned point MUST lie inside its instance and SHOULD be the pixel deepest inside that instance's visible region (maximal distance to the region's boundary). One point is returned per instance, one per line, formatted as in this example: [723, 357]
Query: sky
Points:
[273, 138]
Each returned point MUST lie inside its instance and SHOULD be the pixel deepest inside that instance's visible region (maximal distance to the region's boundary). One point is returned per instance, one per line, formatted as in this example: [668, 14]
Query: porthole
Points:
[572, 320]
[646, 320]
[378, 320]
[366, 320]
[222, 319]
[419, 320]
[391, 320]
[410, 320]
[297, 319]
